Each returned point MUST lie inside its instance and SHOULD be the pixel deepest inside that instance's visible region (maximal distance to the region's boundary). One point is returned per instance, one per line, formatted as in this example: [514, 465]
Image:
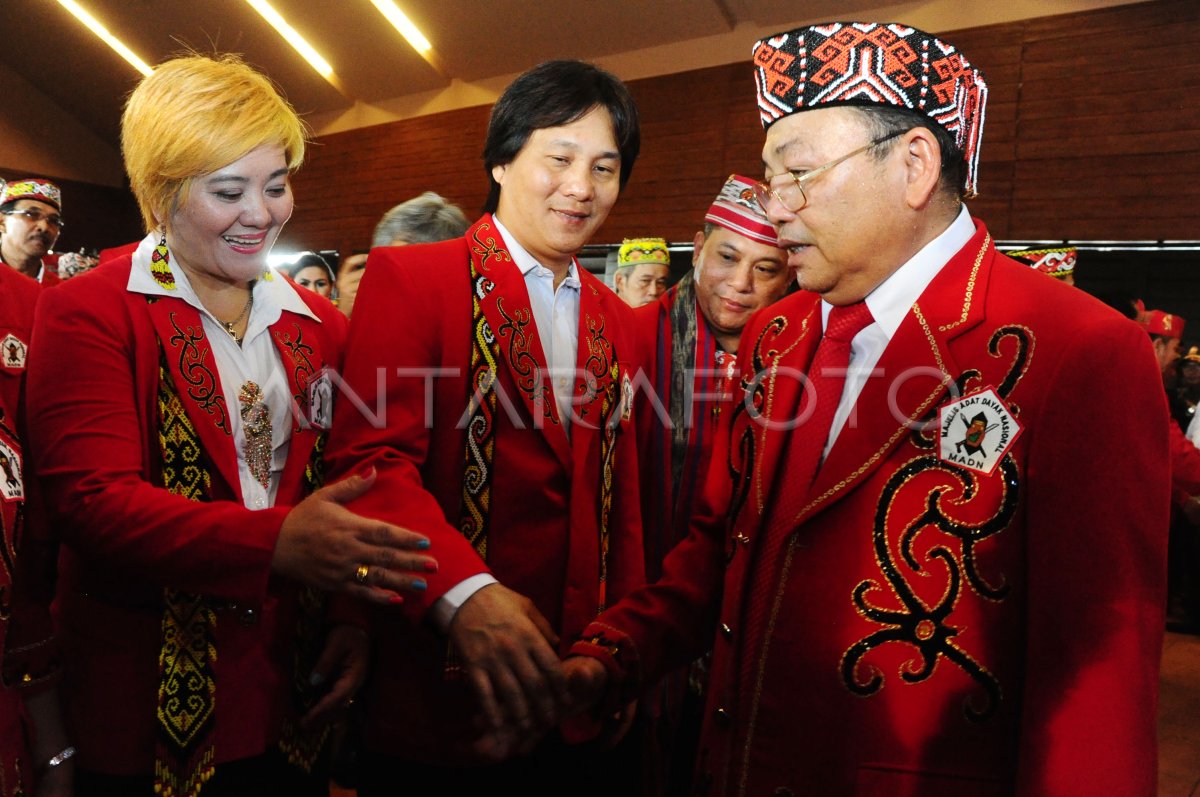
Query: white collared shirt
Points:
[257, 360]
[556, 313]
[889, 303]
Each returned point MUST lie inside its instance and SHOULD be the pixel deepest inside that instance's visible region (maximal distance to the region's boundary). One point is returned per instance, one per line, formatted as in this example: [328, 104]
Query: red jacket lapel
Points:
[918, 369]
[192, 367]
[504, 301]
[298, 340]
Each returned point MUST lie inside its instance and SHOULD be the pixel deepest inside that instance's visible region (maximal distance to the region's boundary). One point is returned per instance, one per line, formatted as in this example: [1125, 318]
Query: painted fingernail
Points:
[422, 545]
[316, 679]
[431, 567]
[419, 584]
[396, 599]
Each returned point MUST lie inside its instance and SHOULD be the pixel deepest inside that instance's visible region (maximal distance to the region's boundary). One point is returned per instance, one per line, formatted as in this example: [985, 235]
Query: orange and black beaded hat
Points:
[873, 64]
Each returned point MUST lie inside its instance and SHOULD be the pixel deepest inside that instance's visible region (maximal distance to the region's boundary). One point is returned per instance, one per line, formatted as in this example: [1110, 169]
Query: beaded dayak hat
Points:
[1058, 262]
[33, 188]
[636, 251]
[736, 209]
[873, 63]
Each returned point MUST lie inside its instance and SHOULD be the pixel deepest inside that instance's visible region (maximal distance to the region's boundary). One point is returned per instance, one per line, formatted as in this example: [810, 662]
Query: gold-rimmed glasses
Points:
[788, 188]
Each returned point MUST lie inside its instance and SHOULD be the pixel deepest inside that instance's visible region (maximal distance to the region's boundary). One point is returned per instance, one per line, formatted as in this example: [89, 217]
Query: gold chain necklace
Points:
[230, 325]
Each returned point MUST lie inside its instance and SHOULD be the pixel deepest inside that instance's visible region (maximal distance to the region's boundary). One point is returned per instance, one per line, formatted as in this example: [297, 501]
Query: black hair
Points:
[308, 260]
[554, 94]
[885, 120]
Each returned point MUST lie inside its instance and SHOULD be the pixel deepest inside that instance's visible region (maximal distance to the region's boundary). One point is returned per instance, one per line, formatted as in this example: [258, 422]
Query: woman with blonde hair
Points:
[178, 402]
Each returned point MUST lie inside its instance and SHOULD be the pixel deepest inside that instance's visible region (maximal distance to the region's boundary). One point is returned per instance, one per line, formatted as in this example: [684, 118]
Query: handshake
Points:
[507, 654]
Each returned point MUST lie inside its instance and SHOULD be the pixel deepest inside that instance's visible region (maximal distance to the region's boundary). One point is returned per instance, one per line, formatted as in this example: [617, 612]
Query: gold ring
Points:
[360, 575]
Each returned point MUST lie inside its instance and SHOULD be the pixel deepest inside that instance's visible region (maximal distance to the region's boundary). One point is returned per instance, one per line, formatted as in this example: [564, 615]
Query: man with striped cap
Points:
[691, 336]
[907, 556]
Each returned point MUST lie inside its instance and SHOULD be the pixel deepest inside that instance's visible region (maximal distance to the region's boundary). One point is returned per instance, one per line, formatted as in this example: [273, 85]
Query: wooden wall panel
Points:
[1093, 132]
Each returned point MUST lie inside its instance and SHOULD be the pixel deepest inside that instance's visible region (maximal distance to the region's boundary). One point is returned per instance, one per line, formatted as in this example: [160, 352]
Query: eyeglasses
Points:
[791, 195]
[35, 216]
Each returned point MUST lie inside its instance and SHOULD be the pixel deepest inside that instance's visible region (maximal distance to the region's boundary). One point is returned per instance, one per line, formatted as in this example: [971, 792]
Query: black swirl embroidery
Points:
[301, 354]
[599, 368]
[743, 452]
[201, 383]
[927, 628]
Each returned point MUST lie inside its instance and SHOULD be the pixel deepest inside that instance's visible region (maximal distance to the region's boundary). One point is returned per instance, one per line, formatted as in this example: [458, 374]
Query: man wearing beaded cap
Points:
[30, 221]
[691, 339]
[1058, 262]
[643, 268]
[908, 597]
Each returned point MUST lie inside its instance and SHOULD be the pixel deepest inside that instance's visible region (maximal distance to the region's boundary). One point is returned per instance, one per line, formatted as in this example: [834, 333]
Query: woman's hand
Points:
[324, 544]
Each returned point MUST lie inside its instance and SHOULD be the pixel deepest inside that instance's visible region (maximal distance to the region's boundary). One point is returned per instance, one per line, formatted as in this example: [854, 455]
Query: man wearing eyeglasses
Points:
[932, 539]
[30, 221]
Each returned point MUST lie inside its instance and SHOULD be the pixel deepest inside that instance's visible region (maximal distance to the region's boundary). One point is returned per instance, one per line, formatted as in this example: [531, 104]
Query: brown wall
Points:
[97, 216]
[1092, 132]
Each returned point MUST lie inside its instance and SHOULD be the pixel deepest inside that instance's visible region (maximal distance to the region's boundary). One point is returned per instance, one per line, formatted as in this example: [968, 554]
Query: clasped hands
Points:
[508, 654]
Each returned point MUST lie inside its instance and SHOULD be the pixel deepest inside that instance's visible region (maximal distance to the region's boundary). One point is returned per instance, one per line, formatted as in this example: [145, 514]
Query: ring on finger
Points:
[361, 573]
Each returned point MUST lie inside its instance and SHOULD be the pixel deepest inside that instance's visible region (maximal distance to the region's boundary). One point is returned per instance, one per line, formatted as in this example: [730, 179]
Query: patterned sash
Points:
[481, 424]
[184, 749]
[480, 451]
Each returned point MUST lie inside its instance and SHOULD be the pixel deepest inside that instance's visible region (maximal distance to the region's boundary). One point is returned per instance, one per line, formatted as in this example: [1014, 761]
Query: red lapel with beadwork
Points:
[298, 340]
[509, 314]
[917, 372]
[193, 368]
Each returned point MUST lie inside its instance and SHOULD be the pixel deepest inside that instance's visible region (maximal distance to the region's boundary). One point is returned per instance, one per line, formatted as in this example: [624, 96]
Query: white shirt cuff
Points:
[444, 608]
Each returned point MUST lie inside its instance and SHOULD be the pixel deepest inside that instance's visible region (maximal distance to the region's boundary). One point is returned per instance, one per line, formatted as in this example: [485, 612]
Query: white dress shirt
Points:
[889, 303]
[257, 360]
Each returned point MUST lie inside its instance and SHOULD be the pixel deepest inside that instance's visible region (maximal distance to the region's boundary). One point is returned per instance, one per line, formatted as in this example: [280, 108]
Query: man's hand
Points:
[508, 656]
[344, 660]
[323, 544]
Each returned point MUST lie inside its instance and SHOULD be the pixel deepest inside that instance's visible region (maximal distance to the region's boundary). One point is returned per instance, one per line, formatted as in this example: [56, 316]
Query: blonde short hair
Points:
[196, 114]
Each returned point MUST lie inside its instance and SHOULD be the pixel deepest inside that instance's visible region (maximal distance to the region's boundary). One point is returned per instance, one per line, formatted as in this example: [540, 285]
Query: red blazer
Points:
[908, 626]
[407, 386]
[94, 426]
[25, 551]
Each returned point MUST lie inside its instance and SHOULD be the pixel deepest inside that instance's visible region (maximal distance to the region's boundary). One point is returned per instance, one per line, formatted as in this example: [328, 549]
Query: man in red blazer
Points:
[908, 595]
[690, 335]
[489, 384]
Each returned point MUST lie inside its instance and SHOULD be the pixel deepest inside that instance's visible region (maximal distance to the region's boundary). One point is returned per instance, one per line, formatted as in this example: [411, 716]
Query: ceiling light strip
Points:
[102, 33]
[403, 24]
[292, 37]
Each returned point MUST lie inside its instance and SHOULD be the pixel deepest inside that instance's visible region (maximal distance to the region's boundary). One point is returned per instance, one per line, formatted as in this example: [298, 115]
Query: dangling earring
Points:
[160, 264]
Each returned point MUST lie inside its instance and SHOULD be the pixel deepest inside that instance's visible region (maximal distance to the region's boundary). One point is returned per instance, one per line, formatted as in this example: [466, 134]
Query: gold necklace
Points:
[230, 325]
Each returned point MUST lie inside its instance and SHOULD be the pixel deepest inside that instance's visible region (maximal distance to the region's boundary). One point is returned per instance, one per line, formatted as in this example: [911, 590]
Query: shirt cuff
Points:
[441, 614]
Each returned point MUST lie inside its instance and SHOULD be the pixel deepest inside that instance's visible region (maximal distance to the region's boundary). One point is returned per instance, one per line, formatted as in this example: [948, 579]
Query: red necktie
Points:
[826, 380]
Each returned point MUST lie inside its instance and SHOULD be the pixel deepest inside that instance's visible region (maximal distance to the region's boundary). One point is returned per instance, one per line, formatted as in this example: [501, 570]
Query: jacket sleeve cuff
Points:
[617, 652]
